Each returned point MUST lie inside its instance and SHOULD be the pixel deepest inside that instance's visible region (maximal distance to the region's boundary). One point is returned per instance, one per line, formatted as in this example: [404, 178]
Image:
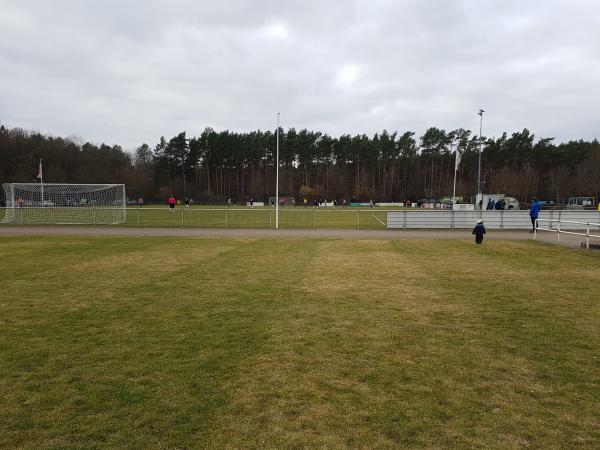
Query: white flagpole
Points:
[277, 180]
[455, 170]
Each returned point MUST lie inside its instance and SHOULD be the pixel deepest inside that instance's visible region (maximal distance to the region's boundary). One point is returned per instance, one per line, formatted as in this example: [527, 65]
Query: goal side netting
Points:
[56, 203]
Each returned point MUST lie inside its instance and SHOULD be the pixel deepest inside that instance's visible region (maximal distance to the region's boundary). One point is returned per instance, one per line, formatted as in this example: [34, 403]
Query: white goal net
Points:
[55, 203]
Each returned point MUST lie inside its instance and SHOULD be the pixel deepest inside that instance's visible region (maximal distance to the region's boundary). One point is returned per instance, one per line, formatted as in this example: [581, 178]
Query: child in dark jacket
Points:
[479, 231]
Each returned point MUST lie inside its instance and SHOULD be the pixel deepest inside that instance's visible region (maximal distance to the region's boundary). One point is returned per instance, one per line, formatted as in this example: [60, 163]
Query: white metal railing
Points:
[298, 217]
[494, 220]
[559, 231]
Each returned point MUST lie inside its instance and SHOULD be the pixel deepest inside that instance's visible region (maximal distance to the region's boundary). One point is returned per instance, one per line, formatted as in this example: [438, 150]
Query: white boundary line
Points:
[380, 221]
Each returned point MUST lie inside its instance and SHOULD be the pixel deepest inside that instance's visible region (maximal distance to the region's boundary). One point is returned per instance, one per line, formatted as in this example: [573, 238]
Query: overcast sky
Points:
[126, 72]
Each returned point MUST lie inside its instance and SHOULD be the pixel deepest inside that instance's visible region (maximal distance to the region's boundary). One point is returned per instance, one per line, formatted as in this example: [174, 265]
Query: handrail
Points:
[569, 221]
[558, 231]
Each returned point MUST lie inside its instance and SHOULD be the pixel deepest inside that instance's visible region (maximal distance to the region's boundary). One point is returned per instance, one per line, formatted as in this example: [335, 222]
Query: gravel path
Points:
[571, 241]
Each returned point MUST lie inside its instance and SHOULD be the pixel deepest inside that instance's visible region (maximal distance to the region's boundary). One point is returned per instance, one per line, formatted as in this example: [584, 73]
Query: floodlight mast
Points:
[277, 180]
[455, 169]
[480, 113]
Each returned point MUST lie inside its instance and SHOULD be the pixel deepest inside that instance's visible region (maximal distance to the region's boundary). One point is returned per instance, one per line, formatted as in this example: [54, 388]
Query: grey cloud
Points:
[128, 71]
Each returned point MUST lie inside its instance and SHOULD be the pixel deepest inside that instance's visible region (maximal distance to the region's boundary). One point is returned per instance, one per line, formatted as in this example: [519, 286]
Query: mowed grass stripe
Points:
[532, 312]
[223, 343]
[128, 367]
[397, 363]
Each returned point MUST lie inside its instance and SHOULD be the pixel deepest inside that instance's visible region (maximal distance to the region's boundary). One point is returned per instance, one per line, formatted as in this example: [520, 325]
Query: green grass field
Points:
[313, 343]
[242, 217]
[213, 217]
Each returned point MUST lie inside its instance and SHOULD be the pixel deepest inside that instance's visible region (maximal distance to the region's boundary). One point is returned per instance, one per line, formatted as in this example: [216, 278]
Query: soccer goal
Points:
[56, 203]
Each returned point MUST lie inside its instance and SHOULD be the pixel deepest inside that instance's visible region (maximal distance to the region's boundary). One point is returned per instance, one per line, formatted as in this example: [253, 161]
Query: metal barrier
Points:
[299, 217]
[499, 220]
[558, 230]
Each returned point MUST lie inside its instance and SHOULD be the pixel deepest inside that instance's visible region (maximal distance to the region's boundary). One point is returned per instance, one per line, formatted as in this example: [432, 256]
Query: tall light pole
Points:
[277, 180]
[456, 161]
[480, 113]
[183, 166]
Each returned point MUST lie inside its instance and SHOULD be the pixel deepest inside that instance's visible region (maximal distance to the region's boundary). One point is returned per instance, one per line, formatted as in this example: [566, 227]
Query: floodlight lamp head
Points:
[480, 113]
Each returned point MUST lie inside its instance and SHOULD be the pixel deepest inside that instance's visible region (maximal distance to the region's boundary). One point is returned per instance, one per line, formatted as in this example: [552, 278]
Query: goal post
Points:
[60, 203]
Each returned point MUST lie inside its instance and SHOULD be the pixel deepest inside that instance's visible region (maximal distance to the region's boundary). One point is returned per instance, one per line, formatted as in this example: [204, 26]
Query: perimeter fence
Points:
[340, 218]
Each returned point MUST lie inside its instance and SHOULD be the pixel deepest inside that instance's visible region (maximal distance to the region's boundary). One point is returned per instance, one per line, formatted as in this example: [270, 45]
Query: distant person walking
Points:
[172, 203]
[229, 202]
[534, 211]
[479, 231]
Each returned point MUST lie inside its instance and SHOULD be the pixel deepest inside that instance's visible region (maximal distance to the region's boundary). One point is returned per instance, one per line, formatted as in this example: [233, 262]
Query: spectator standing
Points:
[534, 211]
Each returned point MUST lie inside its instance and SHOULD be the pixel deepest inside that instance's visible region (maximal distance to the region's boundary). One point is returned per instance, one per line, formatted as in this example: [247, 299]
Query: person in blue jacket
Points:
[534, 211]
[479, 231]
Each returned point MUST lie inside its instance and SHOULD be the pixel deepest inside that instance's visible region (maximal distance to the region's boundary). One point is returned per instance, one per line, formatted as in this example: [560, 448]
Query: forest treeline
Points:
[218, 165]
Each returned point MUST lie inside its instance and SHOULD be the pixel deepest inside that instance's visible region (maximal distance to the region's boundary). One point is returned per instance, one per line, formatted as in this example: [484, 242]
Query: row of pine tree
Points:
[218, 165]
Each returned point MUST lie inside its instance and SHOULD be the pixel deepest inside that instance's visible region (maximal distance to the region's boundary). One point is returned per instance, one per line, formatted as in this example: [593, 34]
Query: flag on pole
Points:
[457, 158]
[41, 177]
